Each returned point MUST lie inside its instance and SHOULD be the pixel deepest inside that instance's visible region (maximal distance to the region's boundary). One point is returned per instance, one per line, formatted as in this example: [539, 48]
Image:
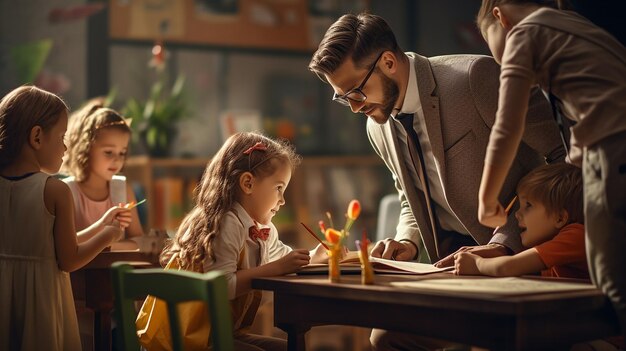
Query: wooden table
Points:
[525, 322]
[91, 286]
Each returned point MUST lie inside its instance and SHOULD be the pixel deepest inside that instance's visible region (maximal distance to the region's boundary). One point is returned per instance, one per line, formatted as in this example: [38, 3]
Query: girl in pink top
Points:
[582, 69]
[97, 147]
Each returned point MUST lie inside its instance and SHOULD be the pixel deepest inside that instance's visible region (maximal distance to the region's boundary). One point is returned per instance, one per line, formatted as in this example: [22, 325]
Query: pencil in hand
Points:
[315, 236]
[506, 210]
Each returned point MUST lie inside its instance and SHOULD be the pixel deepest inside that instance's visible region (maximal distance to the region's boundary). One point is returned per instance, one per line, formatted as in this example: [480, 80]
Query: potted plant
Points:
[155, 119]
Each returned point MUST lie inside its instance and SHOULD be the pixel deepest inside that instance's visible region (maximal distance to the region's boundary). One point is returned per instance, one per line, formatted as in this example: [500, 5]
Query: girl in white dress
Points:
[37, 238]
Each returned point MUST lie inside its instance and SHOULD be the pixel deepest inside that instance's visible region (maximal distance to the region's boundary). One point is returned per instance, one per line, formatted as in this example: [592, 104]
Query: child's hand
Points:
[491, 214]
[293, 261]
[115, 232]
[465, 264]
[319, 254]
[117, 215]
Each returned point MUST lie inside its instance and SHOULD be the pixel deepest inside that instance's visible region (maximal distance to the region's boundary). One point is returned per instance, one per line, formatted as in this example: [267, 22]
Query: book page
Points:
[351, 263]
[382, 265]
[499, 286]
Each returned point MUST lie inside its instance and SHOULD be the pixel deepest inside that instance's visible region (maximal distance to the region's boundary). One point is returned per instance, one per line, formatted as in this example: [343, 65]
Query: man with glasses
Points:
[429, 120]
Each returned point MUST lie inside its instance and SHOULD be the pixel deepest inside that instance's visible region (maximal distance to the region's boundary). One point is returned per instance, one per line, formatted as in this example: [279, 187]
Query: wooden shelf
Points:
[146, 161]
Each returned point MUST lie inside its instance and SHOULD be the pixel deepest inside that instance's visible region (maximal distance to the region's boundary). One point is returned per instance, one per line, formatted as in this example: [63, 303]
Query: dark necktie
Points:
[415, 150]
[255, 233]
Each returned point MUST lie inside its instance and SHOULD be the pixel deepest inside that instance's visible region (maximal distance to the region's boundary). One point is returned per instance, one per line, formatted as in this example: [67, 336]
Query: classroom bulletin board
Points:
[275, 24]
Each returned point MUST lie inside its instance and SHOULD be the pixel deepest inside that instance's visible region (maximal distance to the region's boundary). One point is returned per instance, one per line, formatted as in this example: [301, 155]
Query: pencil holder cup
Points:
[367, 272]
[334, 271]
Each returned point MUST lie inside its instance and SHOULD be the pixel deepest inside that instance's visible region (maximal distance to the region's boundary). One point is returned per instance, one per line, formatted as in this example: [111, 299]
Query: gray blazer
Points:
[459, 96]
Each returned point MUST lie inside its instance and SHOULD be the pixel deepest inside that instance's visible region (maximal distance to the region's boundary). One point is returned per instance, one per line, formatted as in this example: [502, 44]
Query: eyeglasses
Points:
[356, 94]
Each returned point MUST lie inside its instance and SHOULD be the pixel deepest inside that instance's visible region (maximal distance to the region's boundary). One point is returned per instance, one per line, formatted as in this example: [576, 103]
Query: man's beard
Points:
[390, 95]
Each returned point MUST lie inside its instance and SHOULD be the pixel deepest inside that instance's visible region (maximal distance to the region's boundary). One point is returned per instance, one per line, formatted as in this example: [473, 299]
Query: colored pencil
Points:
[508, 208]
[315, 236]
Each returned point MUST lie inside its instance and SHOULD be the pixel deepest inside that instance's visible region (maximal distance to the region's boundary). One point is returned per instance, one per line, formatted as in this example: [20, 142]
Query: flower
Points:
[332, 235]
[322, 226]
[354, 209]
[335, 237]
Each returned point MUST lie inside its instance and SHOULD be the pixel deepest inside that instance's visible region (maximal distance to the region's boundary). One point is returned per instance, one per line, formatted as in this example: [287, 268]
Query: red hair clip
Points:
[258, 146]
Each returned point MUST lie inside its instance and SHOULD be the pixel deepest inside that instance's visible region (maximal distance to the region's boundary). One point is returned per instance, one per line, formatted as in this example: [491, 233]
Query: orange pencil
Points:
[315, 236]
[508, 208]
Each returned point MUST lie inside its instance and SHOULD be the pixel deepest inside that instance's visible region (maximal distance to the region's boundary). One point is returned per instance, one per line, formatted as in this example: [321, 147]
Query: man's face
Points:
[381, 91]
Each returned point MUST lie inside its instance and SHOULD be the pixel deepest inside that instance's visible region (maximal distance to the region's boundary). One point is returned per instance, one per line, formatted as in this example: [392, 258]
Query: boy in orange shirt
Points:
[551, 216]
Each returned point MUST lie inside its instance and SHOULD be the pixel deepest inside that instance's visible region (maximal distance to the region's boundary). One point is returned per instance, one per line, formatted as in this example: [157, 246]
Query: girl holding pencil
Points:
[230, 228]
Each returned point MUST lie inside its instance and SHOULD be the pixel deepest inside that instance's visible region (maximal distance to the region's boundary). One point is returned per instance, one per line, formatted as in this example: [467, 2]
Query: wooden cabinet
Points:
[319, 185]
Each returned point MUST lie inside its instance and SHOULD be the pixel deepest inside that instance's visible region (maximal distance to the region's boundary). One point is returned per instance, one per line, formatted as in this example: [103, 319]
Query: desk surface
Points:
[521, 322]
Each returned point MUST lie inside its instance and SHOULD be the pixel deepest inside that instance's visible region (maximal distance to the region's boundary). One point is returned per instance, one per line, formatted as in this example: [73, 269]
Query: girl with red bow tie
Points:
[230, 227]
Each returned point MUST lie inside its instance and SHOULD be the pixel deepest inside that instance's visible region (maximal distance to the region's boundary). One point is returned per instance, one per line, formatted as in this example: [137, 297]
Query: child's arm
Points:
[71, 255]
[525, 262]
[122, 216]
[290, 263]
[504, 140]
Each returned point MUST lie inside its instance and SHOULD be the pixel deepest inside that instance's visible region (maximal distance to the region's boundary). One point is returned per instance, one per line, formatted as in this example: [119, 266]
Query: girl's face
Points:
[495, 36]
[50, 156]
[108, 153]
[266, 195]
[538, 225]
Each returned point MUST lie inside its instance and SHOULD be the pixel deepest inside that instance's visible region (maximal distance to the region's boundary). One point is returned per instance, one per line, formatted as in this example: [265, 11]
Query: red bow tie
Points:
[262, 233]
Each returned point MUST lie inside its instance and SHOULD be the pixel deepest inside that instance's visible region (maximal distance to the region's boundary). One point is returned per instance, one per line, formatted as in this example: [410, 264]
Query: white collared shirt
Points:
[412, 105]
[233, 238]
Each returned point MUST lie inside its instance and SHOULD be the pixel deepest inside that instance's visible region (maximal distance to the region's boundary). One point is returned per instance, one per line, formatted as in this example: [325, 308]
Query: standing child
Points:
[230, 227]
[551, 217]
[583, 70]
[38, 243]
[97, 147]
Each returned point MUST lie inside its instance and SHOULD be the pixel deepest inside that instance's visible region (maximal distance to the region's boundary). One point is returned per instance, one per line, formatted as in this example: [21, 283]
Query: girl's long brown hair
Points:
[219, 190]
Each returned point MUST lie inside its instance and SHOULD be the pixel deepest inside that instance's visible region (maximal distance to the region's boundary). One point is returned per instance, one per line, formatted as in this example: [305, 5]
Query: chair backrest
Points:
[388, 217]
[173, 287]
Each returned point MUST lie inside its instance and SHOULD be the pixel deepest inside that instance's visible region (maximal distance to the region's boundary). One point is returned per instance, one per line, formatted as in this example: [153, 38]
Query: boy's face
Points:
[266, 195]
[108, 153]
[538, 225]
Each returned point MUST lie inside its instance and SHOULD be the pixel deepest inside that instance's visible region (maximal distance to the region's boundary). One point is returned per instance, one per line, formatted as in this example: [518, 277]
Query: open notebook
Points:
[351, 264]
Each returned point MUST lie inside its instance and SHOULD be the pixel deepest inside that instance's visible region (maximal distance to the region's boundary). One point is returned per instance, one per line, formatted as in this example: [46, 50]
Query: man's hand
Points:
[489, 250]
[394, 250]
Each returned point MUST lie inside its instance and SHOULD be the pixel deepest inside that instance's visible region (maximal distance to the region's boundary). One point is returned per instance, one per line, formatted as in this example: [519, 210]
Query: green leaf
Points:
[177, 89]
[151, 137]
[29, 59]
[110, 98]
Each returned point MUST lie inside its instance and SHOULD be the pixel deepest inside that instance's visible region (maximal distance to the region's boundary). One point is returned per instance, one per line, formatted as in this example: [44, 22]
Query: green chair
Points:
[173, 287]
